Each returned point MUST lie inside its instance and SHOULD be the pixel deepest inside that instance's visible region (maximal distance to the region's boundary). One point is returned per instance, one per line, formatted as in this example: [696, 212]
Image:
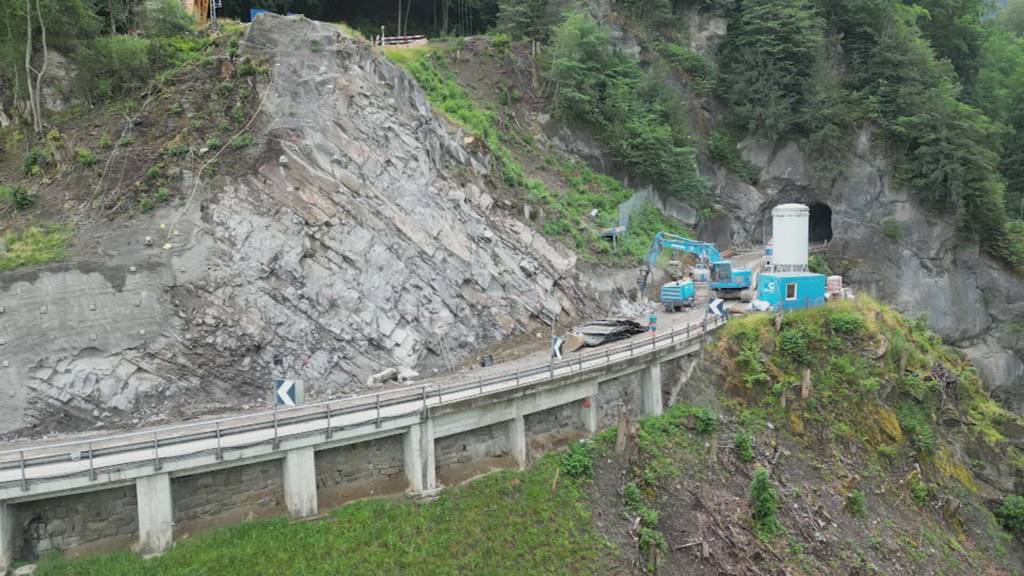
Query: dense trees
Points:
[767, 62]
[631, 109]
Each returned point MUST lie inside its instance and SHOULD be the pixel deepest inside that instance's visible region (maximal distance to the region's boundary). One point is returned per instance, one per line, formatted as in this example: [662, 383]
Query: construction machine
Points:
[725, 280]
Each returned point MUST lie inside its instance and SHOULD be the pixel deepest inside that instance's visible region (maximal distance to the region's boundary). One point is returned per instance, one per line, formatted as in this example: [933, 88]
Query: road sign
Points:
[287, 392]
[716, 307]
[556, 347]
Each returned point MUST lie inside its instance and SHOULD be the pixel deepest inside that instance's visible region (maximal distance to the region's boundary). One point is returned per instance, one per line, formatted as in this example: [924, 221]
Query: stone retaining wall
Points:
[92, 522]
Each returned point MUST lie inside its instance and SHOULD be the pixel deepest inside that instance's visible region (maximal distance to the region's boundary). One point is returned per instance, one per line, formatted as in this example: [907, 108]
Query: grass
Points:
[36, 245]
[507, 523]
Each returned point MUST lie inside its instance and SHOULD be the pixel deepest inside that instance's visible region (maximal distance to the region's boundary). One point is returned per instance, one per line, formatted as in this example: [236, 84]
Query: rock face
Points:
[361, 235]
[888, 245]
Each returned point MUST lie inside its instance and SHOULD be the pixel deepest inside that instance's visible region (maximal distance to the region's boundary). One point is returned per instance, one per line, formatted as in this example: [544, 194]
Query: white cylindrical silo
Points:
[790, 235]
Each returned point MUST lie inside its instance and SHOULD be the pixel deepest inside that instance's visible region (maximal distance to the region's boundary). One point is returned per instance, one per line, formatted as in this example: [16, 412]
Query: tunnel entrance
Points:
[820, 228]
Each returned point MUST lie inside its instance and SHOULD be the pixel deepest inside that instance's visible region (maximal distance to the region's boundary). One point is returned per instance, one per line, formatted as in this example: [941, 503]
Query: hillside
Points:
[888, 459]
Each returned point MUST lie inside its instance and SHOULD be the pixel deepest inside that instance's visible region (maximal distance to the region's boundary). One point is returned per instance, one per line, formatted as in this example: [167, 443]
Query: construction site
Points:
[310, 277]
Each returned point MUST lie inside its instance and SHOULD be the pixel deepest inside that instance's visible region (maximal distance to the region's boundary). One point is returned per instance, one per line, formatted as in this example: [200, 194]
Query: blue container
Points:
[792, 290]
[253, 12]
[678, 294]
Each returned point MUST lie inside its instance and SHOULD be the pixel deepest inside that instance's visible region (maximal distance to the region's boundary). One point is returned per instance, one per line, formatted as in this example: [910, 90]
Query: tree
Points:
[1012, 17]
[953, 28]
[767, 62]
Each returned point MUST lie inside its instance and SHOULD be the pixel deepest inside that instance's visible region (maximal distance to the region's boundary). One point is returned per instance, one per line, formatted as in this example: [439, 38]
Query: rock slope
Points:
[360, 234]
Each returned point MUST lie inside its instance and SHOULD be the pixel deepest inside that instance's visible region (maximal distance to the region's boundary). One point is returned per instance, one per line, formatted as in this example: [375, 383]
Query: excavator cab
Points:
[721, 272]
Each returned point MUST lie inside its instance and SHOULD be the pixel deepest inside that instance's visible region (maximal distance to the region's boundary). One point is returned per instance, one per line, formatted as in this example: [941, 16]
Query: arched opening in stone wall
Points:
[820, 228]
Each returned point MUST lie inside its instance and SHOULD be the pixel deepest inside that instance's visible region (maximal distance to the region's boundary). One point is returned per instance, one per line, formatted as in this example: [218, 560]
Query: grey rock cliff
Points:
[360, 234]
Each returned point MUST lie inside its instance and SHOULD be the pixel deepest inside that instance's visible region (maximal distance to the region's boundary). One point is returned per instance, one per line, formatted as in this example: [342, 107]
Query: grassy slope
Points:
[506, 523]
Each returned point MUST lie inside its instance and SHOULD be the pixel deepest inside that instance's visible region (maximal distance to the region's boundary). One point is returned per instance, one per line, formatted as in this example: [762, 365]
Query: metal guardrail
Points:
[24, 459]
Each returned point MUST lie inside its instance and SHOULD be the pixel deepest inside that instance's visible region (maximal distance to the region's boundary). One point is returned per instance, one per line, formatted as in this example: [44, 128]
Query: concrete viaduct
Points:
[49, 491]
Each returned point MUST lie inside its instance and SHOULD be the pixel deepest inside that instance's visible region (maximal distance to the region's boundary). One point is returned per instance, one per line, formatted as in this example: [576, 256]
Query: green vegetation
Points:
[817, 264]
[764, 505]
[241, 141]
[855, 503]
[36, 245]
[723, 149]
[630, 109]
[1011, 514]
[578, 461]
[85, 157]
[17, 197]
[744, 445]
[876, 380]
[767, 62]
[507, 523]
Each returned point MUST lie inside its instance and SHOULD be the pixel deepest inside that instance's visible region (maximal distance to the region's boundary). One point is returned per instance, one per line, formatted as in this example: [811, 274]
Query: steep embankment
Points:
[358, 231]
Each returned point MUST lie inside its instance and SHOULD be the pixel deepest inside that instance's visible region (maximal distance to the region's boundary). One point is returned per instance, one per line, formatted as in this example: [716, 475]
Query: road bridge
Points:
[422, 416]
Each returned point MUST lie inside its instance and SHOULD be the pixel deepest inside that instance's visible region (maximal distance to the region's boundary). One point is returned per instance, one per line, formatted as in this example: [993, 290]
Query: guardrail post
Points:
[631, 344]
[424, 397]
[24, 481]
[607, 356]
[156, 451]
[551, 370]
[378, 410]
[275, 428]
[220, 451]
[480, 383]
[330, 432]
[92, 468]
[517, 376]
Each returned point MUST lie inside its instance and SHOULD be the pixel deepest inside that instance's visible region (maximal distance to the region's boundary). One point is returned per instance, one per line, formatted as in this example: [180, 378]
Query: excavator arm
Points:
[662, 240]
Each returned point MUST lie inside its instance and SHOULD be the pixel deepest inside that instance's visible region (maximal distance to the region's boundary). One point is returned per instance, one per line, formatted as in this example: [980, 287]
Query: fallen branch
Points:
[689, 545]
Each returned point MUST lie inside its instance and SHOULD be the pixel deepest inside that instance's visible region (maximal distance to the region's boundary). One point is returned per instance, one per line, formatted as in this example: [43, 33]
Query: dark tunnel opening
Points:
[820, 223]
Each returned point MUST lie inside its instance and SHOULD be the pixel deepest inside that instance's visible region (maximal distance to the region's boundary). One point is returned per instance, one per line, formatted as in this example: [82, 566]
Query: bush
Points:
[1011, 514]
[36, 159]
[919, 491]
[723, 149]
[855, 503]
[764, 504]
[578, 461]
[818, 265]
[165, 18]
[847, 323]
[19, 197]
[631, 496]
[794, 343]
[85, 157]
[744, 446]
[241, 141]
[892, 229]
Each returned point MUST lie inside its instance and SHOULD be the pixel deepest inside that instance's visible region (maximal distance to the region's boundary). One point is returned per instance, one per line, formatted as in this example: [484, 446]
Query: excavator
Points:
[726, 281]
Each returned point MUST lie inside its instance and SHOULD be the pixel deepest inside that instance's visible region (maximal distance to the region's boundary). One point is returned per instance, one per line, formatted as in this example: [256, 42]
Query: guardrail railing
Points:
[88, 456]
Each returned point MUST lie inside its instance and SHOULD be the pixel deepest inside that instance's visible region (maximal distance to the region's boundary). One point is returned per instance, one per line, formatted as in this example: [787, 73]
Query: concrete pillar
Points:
[650, 390]
[156, 513]
[517, 440]
[300, 482]
[589, 411]
[429, 461]
[6, 536]
[412, 454]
